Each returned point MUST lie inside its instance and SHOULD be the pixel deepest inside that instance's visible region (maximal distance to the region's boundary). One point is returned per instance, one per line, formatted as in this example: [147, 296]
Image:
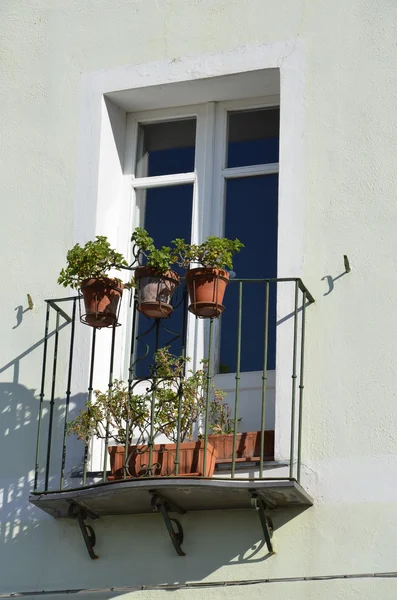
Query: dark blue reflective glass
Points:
[166, 148]
[251, 216]
[253, 137]
[168, 215]
[253, 152]
[171, 161]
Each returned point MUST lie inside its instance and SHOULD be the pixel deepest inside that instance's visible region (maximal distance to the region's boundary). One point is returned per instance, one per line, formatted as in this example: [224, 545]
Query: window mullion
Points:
[218, 186]
[217, 209]
[201, 224]
[204, 168]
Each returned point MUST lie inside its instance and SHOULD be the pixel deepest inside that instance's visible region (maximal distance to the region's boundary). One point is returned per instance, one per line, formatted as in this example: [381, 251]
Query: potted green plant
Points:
[120, 412]
[87, 269]
[207, 283]
[179, 403]
[248, 444]
[155, 281]
[119, 415]
[192, 396]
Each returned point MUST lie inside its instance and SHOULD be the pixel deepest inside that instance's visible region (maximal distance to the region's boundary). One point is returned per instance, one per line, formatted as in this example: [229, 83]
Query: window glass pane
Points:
[253, 137]
[168, 215]
[251, 216]
[166, 148]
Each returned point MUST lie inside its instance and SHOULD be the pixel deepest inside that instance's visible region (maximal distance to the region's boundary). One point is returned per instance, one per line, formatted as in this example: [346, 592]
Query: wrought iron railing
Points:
[251, 336]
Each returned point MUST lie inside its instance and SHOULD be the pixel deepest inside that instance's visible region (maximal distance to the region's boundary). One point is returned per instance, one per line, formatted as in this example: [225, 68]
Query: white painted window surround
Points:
[208, 85]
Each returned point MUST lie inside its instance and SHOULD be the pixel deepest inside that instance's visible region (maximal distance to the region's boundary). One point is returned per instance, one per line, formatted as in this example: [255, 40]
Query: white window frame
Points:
[208, 179]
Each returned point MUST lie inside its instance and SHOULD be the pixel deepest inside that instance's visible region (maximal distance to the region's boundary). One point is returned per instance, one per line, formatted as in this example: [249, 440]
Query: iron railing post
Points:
[42, 388]
[294, 377]
[153, 405]
[89, 400]
[130, 383]
[110, 388]
[237, 377]
[68, 393]
[52, 403]
[301, 387]
[264, 378]
[208, 395]
[180, 390]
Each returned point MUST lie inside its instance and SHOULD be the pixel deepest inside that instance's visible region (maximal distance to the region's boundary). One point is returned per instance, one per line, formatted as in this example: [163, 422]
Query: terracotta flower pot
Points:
[248, 447]
[206, 290]
[155, 292]
[101, 300]
[191, 460]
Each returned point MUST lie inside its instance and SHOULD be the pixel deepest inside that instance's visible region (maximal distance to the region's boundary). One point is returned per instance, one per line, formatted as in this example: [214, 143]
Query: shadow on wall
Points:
[18, 434]
[20, 522]
[133, 550]
[17, 422]
[331, 280]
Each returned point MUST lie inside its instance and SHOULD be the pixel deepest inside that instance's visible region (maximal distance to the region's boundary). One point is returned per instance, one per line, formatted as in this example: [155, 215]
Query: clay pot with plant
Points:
[248, 443]
[118, 415]
[88, 270]
[155, 281]
[118, 411]
[171, 405]
[207, 283]
[182, 398]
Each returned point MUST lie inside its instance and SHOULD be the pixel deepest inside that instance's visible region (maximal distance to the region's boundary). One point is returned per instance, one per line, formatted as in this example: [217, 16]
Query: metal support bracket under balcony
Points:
[181, 495]
[164, 506]
[267, 525]
[80, 513]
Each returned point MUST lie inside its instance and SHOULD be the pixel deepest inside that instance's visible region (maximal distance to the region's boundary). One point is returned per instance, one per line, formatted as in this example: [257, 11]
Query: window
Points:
[212, 169]
[112, 105]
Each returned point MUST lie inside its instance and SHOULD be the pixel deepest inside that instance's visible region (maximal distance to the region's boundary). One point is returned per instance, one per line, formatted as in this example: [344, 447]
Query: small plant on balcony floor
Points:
[220, 417]
[207, 283]
[156, 281]
[181, 394]
[246, 445]
[172, 405]
[88, 269]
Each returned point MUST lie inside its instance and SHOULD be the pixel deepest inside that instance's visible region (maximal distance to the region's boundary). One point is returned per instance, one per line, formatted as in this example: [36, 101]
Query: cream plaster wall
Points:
[349, 182]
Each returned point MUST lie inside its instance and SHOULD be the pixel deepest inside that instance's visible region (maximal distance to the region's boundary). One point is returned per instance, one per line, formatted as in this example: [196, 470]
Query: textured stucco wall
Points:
[349, 191]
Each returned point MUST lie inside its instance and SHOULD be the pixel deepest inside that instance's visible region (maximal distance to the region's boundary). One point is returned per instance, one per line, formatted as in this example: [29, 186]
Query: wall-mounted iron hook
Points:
[346, 263]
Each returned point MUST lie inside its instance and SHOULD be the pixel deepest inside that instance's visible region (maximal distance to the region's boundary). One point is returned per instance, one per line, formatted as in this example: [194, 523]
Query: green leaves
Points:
[180, 403]
[142, 240]
[215, 252]
[94, 260]
[177, 388]
[159, 259]
[117, 407]
[220, 416]
[218, 252]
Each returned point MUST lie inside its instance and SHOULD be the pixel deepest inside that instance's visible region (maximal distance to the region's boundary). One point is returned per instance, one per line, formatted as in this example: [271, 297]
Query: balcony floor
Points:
[191, 494]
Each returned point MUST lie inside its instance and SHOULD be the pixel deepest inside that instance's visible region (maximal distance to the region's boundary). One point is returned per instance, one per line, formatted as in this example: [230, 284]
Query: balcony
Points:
[189, 450]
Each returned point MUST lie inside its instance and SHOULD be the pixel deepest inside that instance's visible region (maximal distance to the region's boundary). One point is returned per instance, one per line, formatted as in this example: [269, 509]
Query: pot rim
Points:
[198, 444]
[144, 271]
[109, 281]
[191, 273]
